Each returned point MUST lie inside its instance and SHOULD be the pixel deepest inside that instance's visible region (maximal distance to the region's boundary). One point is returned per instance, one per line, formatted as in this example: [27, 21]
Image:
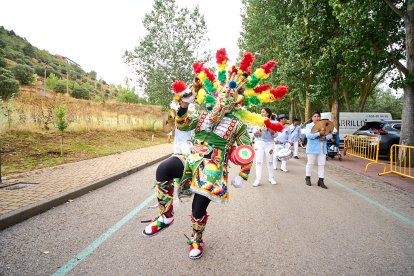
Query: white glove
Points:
[189, 98]
[237, 182]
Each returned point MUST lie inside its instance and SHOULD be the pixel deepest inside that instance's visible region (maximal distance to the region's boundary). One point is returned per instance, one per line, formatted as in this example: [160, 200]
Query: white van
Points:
[349, 122]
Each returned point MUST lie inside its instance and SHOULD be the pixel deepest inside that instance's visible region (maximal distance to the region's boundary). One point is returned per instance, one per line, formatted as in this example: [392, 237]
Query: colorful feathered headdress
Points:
[237, 84]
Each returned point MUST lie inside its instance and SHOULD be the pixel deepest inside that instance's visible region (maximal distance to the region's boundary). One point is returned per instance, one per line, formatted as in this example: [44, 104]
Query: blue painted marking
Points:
[373, 202]
[94, 245]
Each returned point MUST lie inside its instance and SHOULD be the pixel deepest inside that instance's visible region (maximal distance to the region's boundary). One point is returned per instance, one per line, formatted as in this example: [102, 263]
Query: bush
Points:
[8, 85]
[80, 92]
[52, 81]
[60, 87]
[127, 96]
[3, 63]
[23, 73]
[40, 71]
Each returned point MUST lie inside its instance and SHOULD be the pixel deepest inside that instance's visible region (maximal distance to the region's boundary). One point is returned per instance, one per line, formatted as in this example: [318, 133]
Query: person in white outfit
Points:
[294, 129]
[316, 149]
[263, 147]
[282, 140]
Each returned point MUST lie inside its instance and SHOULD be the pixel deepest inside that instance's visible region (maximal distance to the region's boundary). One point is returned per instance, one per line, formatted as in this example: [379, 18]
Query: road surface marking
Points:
[94, 245]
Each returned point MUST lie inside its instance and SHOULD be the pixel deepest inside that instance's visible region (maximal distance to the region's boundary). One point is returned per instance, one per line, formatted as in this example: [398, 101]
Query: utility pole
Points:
[44, 82]
[67, 82]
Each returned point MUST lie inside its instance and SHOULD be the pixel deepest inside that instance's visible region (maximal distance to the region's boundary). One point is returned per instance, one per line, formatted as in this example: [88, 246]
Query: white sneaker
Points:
[284, 170]
[272, 181]
[256, 183]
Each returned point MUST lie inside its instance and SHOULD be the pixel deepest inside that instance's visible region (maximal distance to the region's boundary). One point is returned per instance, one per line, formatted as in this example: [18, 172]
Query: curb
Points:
[37, 208]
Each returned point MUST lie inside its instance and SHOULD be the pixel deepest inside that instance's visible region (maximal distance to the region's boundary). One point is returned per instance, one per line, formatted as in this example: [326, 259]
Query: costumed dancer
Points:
[217, 129]
[282, 141]
[316, 149]
[263, 147]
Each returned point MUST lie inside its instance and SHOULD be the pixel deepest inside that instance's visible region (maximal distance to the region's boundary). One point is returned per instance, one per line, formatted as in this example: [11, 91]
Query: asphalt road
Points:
[357, 227]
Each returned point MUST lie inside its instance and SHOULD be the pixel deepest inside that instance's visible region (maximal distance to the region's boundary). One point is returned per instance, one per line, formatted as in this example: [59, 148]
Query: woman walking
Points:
[263, 148]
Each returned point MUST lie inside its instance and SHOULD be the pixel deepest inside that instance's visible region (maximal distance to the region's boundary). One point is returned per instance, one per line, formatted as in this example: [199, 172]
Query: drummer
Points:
[282, 141]
[316, 148]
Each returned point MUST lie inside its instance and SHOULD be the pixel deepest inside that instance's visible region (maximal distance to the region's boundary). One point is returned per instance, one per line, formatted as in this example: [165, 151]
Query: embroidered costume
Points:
[219, 128]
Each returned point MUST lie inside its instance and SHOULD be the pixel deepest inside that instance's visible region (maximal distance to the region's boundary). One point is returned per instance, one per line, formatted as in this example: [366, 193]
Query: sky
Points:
[95, 34]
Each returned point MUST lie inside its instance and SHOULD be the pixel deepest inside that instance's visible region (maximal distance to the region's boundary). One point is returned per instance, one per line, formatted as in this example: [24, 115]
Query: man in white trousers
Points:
[294, 129]
[282, 140]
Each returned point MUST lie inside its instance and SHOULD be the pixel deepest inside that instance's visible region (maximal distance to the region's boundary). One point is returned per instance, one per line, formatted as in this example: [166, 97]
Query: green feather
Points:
[209, 86]
[222, 76]
[253, 83]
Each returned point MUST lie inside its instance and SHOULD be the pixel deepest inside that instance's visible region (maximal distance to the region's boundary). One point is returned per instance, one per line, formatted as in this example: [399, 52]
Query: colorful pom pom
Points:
[262, 88]
[246, 62]
[279, 92]
[178, 86]
[276, 127]
[232, 84]
[268, 66]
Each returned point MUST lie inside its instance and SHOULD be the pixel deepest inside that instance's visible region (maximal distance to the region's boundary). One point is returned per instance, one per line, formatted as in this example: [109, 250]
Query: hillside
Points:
[67, 76]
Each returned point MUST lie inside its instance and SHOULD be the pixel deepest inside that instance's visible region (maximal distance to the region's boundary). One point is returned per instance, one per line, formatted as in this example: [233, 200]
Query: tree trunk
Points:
[307, 108]
[365, 90]
[61, 144]
[407, 127]
[292, 108]
[335, 104]
[346, 99]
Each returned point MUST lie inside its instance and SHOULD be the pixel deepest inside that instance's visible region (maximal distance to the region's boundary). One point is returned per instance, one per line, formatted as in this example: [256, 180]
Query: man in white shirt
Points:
[294, 129]
[282, 140]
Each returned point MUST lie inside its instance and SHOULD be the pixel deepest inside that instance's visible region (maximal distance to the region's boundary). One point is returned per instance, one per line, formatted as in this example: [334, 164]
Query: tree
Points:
[24, 73]
[407, 14]
[81, 92]
[125, 95]
[393, 37]
[61, 123]
[175, 39]
[8, 85]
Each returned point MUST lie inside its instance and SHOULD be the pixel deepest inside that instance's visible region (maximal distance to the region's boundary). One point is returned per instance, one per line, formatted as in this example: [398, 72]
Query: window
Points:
[397, 126]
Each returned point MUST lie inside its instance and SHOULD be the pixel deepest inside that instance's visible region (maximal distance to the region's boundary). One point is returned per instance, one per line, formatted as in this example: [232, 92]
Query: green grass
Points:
[24, 150]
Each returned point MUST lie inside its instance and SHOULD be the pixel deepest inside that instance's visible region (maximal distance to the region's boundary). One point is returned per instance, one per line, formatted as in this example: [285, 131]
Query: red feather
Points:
[268, 67]
[261, 88]
[178, 86]
[233, 69]
[279, 92]
[198, 67]
[246, 63]
[276, 127]
[210, 75]
[221, 56]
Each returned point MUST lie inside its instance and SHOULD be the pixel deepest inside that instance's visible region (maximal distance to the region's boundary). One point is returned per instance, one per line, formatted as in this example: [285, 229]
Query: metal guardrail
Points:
[400, 161]
[365, 147]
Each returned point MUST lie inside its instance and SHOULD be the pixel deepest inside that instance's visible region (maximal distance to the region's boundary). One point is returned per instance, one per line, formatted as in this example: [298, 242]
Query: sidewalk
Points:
[358, 166]
[50, 187]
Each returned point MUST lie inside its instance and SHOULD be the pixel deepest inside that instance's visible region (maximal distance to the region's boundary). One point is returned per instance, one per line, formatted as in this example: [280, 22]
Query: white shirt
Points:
[294, 133]
[182, 143]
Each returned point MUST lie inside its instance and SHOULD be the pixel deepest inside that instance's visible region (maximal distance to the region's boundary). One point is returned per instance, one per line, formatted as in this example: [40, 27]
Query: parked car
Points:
[388, 133]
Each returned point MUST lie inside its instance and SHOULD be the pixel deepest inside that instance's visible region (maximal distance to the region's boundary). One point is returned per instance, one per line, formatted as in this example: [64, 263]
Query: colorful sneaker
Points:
[157, 225]
[196, 249]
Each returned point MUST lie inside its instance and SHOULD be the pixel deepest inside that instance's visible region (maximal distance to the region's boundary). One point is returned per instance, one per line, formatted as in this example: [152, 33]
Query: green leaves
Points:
[60, 113]
[175, 38]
